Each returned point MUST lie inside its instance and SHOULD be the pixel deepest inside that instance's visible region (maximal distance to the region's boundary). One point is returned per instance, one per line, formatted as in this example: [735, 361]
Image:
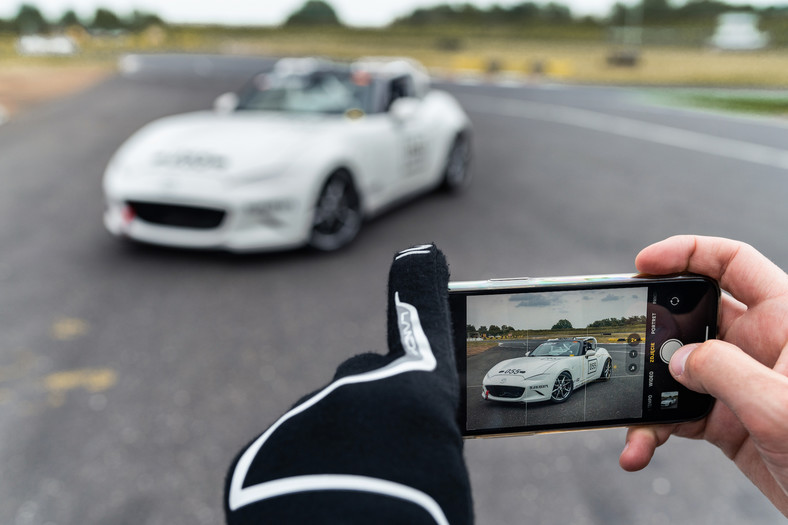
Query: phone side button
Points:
[669, 348]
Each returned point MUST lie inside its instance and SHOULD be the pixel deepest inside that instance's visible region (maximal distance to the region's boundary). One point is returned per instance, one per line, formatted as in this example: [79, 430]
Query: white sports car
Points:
[301, 156]
[551, 372]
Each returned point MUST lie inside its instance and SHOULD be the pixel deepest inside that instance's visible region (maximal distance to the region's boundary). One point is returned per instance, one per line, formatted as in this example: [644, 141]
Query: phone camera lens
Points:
[632, 367]
[633, 353]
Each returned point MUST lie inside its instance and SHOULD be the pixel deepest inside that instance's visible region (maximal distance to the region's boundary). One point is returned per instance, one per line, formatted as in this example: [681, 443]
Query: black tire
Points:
[607, 371]
[457, 173]
[337, 218]
[562, 388]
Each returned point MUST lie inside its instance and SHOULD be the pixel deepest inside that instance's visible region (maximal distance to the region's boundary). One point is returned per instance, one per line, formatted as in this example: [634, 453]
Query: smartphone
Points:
[569, 353]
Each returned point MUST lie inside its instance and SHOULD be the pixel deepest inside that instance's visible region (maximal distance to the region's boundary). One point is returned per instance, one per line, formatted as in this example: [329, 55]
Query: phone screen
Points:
[541, 360]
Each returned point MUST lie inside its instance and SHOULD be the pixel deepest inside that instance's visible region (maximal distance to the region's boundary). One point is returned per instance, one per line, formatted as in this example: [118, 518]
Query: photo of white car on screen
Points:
[550, 372]
[555, 357]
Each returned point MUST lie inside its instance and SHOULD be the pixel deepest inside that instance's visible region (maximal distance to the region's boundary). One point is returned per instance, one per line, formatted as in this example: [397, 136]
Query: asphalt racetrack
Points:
[618, 398]
[131, 375]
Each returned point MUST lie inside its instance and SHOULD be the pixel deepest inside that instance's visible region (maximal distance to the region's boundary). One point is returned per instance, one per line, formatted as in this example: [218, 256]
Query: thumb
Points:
[753, 391]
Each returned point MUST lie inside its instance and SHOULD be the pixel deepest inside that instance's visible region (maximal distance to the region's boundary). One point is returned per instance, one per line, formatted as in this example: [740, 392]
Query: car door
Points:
[375, 150]
[590, 361]
[411, 129]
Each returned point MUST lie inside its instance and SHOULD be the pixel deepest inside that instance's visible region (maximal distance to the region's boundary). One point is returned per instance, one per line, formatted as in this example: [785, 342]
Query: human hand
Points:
[746, 369]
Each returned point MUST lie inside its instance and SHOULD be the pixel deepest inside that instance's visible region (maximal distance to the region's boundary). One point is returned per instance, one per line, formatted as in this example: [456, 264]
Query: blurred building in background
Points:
[739, 31]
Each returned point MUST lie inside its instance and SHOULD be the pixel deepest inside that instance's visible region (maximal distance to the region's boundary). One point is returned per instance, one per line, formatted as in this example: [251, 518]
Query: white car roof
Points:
[301, 66]
[387, 67]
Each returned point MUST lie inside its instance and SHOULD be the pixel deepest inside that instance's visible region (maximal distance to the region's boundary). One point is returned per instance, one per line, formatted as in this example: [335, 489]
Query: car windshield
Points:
[557, 349]
[327, 92]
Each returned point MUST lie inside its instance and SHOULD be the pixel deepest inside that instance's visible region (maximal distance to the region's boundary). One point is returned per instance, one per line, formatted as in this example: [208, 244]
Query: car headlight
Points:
[253, 178]
[261, 173]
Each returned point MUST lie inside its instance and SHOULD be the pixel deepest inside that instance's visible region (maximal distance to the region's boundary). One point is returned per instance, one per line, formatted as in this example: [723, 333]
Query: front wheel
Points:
[337, 218]
[457, 174]
[562, 388]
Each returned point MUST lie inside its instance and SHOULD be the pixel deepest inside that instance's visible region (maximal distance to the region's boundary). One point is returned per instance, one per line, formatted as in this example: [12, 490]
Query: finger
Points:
[419, 326]
[418, 318]
[641, 444]
[756, 394]
[741, 269]
[418, 303]
[781, 366]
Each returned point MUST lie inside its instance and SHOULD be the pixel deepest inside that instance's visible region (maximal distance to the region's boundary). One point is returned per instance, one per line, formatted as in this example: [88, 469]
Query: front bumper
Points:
[514, 389]
[234, 222]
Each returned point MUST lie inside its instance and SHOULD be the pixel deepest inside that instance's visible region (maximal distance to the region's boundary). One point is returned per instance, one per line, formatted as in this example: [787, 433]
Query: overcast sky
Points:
[537, 311]
[271, 12]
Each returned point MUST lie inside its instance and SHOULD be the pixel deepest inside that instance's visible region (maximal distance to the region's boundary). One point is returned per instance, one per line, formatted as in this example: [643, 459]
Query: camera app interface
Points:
[555, 358]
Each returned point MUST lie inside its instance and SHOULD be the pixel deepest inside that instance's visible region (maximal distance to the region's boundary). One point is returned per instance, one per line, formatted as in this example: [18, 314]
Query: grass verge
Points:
[757, 102]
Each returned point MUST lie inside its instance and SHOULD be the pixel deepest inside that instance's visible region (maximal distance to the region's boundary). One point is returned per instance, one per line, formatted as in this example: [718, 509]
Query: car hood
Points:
[209, 144]
[527, 366]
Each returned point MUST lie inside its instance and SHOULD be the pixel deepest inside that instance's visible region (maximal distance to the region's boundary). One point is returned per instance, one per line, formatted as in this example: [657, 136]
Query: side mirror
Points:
[404, 109]
[225, 103]
[590, 353]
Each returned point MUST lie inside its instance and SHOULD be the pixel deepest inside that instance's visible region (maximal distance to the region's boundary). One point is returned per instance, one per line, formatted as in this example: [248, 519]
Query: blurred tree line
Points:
[563, 324]
[469, 14]
[30, 20]
[647, 12]
[612, 322]
[703, 12]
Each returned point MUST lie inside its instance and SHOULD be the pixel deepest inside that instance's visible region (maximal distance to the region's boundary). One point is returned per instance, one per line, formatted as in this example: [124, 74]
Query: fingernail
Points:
[679, 359]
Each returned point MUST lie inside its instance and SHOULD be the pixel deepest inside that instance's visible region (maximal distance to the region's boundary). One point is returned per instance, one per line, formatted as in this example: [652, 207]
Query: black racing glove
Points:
[380, 444]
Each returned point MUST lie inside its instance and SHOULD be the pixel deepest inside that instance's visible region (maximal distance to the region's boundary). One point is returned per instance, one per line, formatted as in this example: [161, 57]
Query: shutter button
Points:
[669, 348]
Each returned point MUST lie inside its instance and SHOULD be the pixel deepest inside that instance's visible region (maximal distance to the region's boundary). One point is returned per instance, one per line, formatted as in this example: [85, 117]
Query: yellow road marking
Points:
[91, 379]
[68, 328]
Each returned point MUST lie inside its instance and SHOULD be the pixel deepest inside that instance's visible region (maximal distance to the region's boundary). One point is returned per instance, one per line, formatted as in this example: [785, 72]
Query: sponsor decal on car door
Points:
[415, 153]
[591, 367]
